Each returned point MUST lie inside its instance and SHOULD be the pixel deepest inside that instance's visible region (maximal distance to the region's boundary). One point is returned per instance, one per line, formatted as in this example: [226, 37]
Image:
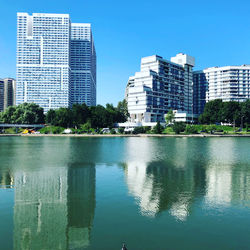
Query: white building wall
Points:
[230, 83]
[46, 52]
[43, 72]
[159, 86]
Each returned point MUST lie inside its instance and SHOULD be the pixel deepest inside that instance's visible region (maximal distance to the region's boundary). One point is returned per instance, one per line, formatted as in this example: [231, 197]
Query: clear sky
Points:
[216, 33]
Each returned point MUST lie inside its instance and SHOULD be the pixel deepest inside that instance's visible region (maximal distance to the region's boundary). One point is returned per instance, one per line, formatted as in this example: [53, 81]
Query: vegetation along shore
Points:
[218, 119]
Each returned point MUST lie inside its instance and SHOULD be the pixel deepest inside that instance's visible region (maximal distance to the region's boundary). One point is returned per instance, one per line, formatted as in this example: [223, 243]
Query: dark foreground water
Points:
[152, 193]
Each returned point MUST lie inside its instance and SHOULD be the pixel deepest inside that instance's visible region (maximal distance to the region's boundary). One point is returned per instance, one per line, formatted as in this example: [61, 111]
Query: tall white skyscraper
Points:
[46, 51]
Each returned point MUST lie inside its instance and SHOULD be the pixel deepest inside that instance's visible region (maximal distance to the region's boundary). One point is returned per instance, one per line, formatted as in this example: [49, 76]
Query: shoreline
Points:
[128, 135]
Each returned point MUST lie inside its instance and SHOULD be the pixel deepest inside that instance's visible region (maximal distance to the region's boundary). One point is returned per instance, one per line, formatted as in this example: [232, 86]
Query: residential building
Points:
[229, 83]
[46, 51]
[7, 93]
[161, 85]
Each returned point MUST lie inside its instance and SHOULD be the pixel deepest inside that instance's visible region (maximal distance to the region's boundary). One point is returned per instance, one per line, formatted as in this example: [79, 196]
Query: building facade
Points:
[200, 87]
[159, 86]
[44, 74]
[229, 83]
[7, 93]
[83, 65]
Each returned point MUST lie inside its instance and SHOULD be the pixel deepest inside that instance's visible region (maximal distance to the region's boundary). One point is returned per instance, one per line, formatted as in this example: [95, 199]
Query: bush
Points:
[57, 130]
[147, 129]
[51, 130]
[191, 129]
[112, 132]
[168, 130]
[158, 128]
[138, 130]
[121, 130]
[86, 126]
[247, 127]
[203, 129]
[10, 131]
[179, 127]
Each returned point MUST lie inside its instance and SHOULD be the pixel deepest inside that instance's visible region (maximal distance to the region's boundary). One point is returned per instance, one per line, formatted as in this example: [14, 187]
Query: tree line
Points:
[95, 116]
[236, 113]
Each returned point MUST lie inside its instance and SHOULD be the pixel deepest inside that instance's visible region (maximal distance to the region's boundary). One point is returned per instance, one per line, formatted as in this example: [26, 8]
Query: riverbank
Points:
[127, 135]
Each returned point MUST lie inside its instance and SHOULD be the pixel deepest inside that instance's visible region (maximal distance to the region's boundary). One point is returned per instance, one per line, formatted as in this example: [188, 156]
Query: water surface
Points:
[152, 193]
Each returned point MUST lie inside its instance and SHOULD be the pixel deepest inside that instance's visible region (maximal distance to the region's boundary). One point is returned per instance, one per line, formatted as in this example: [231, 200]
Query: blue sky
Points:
[216, 33]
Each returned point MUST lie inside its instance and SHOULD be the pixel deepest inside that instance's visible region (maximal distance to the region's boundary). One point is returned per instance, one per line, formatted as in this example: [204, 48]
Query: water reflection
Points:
[54, 207]
[227, 173]
[55, 189]
[6, 179]
[171, 175]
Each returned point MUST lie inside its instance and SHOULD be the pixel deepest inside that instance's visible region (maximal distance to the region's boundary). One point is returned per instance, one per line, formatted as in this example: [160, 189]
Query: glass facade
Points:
[83, 65]
[7, 93]
[44, 61]
[199, 91]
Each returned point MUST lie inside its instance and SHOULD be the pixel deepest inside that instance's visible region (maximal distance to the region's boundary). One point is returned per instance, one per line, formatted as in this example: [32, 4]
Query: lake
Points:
[151, 193]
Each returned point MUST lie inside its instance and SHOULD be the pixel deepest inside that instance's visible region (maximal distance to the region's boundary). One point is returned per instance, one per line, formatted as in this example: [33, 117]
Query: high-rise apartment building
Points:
[159, 86]
[46, 51]
[229, 83]
[7, 93]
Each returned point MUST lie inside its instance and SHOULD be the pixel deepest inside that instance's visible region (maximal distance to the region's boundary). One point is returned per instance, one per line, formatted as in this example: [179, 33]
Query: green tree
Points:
[179, 127]
[158, 128]
[50, 116]
[230, 112]
[86, 126]
[63, 118]
[169, 116]
[98, 117]
[245, 111]
[122, 108]
[212, 112]
[80, 114]
[26, 113]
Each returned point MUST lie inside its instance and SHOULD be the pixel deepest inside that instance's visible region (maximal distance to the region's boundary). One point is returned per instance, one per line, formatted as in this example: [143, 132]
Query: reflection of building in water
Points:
[219, 172]
[81, 205]
[163, 177]
[227, 177]
[6, 180]
[54, 208]
[219, 184]
[140, 185]
[158, 187]
[241, 185]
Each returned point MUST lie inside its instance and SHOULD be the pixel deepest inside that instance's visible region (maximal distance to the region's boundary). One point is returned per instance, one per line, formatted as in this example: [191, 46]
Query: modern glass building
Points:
[161, 85]
[199, 91]
[7, 93]
[44, 61]
[83, 65]
[229, 83]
